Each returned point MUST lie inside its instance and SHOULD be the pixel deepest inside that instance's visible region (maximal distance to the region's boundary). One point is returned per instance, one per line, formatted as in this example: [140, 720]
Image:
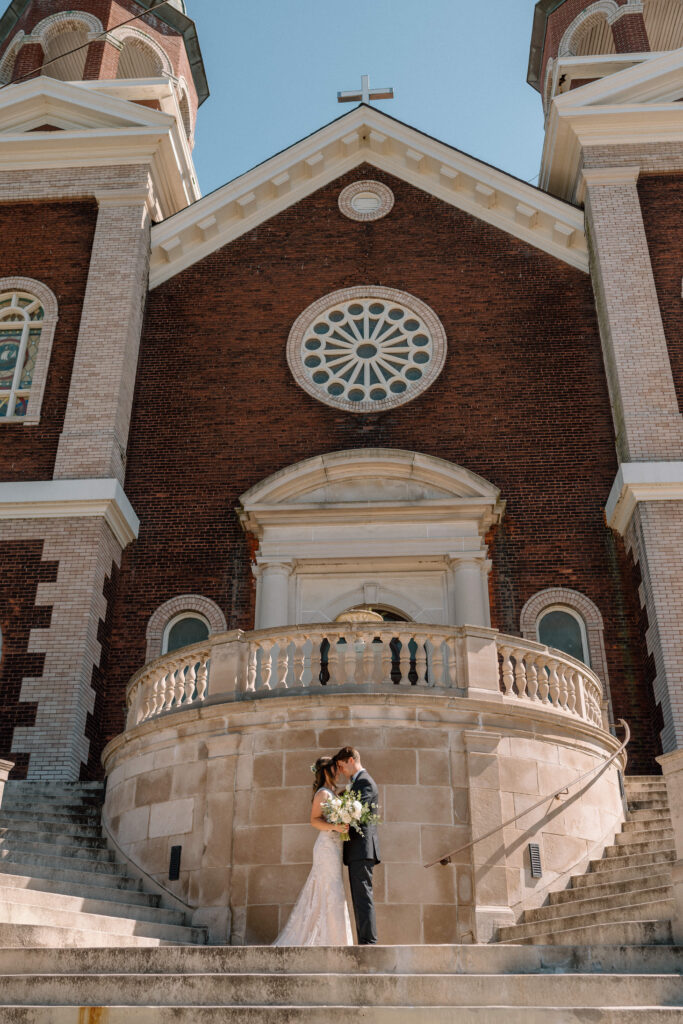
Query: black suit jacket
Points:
[365, 847]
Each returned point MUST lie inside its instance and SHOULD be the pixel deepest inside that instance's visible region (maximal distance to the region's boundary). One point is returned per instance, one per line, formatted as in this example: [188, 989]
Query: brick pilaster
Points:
[95, 435]
[29, 60]
[630, 33]
[102, 60]
[647, 421]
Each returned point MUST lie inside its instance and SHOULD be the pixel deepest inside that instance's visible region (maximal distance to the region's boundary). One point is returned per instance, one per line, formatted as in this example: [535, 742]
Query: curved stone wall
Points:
[230, 784]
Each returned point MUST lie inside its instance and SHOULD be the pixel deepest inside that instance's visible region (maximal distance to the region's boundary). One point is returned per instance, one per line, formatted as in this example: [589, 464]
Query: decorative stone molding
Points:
[314, 332]
[128, 33]
[366, 200]
[608, 8]
[176, 606]
[630, 7]
[71, 499]
[9, 57]
[642, 481]
[589, 612]
[47, 328]
[62, 20]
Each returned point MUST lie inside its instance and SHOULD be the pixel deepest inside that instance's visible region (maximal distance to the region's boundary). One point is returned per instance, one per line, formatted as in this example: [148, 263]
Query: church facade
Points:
[375, 445]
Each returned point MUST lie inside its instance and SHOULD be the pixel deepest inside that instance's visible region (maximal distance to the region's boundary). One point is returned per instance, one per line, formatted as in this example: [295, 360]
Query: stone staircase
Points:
[624, 898]
[59, 883]
[316, 985]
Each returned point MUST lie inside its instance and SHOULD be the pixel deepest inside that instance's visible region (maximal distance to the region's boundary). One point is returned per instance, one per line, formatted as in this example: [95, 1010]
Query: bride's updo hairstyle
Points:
[319, 769]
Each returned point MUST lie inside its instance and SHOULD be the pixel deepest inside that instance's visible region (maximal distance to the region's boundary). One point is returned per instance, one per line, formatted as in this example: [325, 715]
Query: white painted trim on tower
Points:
[71, 499]
[642, 481]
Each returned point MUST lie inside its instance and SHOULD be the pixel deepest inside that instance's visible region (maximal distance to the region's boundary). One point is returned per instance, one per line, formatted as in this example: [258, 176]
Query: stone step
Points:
[423, 959]
[59, 790]
[65, 851]
[648, 910]
[83, 827]
[340, 1015]
[128, 895]
[22, 935]
[42, 916]
[62, 902]
[632, 849]
[644, 780]
[648, 804]
[85, 866]
[652, 834]
[352, 989]
[50, 873]
[636, 933]
[81, 816]
[646, 824]
[594, 904]
[613, 866]
[60, 837]
[48, 808]
[625, 885]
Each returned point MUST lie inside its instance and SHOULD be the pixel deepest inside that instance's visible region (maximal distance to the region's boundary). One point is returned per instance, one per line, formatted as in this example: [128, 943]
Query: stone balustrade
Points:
[467, 661]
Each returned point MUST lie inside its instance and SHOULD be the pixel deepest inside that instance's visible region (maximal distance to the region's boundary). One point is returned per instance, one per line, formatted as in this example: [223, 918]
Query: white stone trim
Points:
[609, 8]
[631, 7]
[173, 609]
[47, 333]
[71, 499]
[383, 193]
[9, 57]
[127, 32]
[642, 481]
[305, 320]
[364, 136]
[589, 615]
[60, 20]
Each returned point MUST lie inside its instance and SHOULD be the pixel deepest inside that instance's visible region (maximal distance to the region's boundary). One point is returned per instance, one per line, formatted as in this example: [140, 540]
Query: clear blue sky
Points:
[458, 68]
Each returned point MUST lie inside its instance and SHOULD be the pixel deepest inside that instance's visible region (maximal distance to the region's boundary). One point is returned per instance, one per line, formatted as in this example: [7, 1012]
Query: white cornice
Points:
[642, 481]
[71, 499]
[99, 128]
[636, 105]
[367, 136]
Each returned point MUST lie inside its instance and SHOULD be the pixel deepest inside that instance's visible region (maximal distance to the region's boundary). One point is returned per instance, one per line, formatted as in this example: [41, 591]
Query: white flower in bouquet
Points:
[347, 809]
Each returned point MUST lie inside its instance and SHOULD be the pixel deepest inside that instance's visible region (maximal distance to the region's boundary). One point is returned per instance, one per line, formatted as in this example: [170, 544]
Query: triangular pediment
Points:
[43, 101]
[367, 136]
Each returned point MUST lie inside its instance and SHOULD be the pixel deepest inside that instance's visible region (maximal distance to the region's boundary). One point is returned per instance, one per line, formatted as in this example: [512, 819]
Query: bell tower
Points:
[112, 41]
[575, 42]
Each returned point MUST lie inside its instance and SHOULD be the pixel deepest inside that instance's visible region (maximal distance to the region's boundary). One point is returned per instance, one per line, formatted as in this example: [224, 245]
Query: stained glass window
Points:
[20, 332]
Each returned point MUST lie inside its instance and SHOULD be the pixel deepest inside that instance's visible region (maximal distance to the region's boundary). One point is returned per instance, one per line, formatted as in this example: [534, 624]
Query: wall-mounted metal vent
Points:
[174, 864]
[535, 860]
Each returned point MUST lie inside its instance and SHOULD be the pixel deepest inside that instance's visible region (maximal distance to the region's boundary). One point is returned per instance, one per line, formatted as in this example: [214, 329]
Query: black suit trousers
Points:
[360, 879]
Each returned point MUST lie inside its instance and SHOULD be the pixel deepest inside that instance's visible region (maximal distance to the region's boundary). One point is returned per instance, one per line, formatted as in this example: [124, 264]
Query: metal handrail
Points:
[446, 859]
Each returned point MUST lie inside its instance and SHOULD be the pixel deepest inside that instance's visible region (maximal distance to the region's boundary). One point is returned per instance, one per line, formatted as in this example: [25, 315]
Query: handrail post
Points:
[481, 677]
[228, 671]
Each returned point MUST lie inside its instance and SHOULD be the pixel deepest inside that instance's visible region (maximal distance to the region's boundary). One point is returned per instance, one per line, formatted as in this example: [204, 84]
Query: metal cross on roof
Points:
[366, 93]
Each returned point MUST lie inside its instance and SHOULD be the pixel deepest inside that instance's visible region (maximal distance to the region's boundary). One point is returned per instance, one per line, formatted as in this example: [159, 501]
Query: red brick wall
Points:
[22, 570]
[661, 200]
[557, 24]
[50, 242]
[522, 400]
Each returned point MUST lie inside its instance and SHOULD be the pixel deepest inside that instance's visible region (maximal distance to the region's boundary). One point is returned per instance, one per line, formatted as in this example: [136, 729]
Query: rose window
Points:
[365, 350]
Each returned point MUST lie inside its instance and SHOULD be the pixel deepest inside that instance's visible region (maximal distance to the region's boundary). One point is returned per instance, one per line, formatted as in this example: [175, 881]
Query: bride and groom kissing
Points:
[320, 916]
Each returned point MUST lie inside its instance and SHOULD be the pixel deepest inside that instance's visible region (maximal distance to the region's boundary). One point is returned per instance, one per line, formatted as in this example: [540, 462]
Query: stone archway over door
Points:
[372, 526]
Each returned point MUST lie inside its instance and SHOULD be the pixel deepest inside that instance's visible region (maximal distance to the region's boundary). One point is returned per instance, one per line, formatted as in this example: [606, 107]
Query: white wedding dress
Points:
[320, 916]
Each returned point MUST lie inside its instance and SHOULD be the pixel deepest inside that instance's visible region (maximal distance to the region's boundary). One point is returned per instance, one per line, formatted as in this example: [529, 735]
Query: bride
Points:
[320, 916]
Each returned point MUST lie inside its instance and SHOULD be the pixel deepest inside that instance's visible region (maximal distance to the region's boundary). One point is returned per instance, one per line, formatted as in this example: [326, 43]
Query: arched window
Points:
[59, 42]
[563, 628]
[28, 315]
[9, 58]
[141, 56]
[185, 629]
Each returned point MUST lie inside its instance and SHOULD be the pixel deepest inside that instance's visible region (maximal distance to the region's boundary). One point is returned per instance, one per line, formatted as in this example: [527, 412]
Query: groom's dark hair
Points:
[347, 754]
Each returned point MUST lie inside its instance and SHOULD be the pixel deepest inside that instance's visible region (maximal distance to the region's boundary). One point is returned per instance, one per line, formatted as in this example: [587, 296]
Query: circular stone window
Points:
[366, 200]
[366, 349]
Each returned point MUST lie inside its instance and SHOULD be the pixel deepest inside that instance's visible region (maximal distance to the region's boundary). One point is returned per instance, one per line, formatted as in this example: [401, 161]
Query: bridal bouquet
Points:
[347, 809]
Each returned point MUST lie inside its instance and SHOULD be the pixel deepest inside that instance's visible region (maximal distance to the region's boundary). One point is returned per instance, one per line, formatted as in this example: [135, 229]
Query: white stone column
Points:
[471, 605]
[272, 594]
[5, 768]
[672, 766]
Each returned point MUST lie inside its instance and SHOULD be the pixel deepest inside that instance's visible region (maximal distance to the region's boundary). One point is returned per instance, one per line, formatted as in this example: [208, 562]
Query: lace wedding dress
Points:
[320, 916]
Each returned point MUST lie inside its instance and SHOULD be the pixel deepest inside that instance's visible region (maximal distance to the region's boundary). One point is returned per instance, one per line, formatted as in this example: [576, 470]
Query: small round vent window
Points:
[365, 350]
[366, 200]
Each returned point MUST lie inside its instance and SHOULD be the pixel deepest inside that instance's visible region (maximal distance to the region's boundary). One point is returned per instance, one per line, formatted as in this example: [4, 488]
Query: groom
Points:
[361, 852]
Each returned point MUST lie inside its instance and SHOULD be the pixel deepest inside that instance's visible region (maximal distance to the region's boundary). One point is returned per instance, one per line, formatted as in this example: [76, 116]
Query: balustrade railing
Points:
[396, 657]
